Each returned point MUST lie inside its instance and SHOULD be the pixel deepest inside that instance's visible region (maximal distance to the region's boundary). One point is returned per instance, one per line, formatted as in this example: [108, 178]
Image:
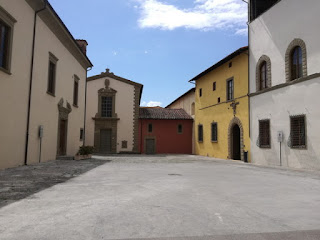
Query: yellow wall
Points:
[208, 109]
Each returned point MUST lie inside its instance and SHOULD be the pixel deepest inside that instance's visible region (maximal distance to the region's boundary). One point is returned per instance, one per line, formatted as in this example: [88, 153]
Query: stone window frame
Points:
[107, 93]
[10, 21]
[297, 42]
[200, 140]
[214, 124]
[300, 147]
[180, 132]
[76, 80]
[54, 60]
[263, 59]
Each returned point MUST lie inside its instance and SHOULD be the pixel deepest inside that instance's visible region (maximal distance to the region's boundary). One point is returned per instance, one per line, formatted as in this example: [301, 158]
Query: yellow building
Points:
[222, 108]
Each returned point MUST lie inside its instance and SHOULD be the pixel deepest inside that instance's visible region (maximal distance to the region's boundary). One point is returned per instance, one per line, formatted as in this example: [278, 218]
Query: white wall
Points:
[124, 107]
[271, 34]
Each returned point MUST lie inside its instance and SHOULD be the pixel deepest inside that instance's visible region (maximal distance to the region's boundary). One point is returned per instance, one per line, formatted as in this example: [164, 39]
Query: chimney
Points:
[83, 45]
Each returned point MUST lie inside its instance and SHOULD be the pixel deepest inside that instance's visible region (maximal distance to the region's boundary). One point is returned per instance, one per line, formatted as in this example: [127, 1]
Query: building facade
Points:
[222, 108]
[187, 103]
[112, 116]
[42, 85]
[284, 83]
[165, 131]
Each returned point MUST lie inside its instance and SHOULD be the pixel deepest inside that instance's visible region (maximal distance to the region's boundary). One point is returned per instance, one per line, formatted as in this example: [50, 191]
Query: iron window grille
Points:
[297, 137]
[264, 133]
[214, 132]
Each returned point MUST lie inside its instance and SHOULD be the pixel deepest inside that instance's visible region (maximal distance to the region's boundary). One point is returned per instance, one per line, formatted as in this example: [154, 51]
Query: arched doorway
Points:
[236, 143]
[235, 139]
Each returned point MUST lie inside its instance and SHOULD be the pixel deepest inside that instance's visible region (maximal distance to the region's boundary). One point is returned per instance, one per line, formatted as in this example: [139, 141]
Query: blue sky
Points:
[159, 43]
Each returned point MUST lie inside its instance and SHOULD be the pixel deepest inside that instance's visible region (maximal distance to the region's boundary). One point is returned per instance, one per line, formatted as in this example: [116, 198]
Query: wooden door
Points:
[150, 146]
[105, 140]
[236, 143]
[63, 138]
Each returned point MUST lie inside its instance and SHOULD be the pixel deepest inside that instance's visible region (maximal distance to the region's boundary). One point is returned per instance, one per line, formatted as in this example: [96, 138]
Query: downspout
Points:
[31, 80]
[85, 107]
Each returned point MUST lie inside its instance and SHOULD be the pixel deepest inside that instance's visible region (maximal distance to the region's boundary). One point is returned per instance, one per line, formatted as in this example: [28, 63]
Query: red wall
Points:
[168, 140]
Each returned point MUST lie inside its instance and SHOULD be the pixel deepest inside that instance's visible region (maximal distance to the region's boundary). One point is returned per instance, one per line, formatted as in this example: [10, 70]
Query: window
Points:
[296, 63]
[296, 60]
[193, 108]
[230, 64]
[4, 45]
[106, 106]
[52, 74]
[6, 30]
[214, 132]
[263, 75]
[200, 133]
[200, 92]
[219, 100]
[180, 128]
[124, 144]
[264, 133]
[214, 86]
[230, 89]
[150, 127]
[298, 131]
[75, 91]
[81, 134]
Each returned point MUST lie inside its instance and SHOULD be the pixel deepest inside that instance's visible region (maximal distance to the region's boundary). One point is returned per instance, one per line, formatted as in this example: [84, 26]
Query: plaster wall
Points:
[270, 34]
[14, 87]
[124, 108]
[208, 109]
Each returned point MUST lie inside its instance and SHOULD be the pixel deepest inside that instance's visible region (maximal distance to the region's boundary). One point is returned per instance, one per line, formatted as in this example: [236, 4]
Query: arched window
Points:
[296, 63]
[263, 73]
[296, 60]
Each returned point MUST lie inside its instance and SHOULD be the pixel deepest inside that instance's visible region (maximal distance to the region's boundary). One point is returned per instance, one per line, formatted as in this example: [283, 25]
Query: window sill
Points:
[76, 106]
[299, 147]
[214, 141]
[265, 147]
[200, 141]
[51, 94]
[5, 71]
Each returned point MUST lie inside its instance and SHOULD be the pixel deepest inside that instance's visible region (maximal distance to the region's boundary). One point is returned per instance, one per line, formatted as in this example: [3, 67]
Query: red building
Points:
[163, 131]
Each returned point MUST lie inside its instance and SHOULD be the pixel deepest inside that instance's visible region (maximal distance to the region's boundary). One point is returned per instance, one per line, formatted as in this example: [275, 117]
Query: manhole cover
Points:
[174, 174]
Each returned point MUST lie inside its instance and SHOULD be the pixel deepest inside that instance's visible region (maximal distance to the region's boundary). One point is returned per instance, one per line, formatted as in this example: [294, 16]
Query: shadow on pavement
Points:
[21, 182]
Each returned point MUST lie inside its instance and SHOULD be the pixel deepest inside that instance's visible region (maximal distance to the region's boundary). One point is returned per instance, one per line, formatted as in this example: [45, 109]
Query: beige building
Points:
[187, 102]
[112, 116]
[42, 84]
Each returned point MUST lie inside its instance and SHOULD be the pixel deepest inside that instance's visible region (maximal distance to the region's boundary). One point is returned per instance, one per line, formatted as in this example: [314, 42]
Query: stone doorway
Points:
[235, 140]
[63, 127]
[236, 151]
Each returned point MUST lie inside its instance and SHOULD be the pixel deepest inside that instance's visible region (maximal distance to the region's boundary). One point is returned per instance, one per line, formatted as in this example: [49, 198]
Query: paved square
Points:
[170, 197]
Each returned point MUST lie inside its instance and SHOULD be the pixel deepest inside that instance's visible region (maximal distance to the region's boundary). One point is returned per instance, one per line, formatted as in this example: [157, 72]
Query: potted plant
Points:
[85, 152]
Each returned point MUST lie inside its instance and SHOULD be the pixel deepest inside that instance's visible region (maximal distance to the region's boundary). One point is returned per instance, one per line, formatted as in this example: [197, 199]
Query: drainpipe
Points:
[85, 107]
[31, 80]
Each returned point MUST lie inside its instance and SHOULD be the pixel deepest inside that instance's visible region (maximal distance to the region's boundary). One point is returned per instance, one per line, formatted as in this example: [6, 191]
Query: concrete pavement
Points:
[171, 197]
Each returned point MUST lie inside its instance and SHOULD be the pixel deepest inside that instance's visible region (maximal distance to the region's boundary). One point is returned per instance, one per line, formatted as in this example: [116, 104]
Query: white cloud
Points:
[205, 15]
[151, 104]
[115, 53]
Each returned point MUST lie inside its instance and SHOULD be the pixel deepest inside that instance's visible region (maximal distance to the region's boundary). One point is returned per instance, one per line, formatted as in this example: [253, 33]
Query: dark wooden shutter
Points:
[264, 133]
